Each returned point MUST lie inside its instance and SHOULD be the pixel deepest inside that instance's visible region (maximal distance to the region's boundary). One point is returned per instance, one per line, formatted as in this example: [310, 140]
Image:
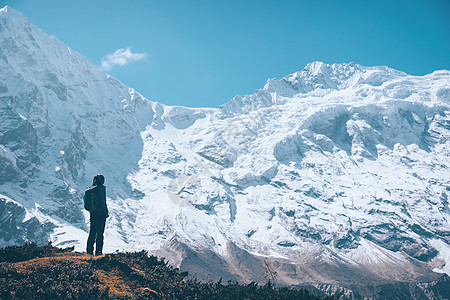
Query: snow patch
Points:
[444, 255]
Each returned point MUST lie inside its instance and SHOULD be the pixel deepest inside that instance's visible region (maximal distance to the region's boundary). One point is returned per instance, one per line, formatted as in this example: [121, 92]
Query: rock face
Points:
[337, 175]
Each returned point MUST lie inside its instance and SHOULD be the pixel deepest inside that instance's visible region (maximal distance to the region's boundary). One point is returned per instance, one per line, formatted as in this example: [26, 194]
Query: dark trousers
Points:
[98, 220]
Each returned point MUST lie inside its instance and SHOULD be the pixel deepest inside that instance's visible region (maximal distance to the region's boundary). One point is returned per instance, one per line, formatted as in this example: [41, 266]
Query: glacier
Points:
[337, 174]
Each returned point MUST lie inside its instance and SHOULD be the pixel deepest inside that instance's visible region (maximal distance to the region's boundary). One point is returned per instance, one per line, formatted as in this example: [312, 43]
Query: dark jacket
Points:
[100, 191]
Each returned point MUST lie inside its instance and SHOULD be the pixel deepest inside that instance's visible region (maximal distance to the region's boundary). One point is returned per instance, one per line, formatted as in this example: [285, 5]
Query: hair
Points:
[98, 179]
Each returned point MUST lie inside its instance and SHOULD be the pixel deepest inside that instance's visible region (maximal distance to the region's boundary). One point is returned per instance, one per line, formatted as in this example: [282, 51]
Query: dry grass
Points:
[118, 287]
[114, 281]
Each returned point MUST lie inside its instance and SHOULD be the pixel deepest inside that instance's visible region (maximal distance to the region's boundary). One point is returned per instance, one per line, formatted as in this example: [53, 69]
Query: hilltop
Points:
[47, 272]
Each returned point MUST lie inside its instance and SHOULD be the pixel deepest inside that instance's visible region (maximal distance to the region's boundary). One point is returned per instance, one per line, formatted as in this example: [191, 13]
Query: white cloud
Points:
[121, 57]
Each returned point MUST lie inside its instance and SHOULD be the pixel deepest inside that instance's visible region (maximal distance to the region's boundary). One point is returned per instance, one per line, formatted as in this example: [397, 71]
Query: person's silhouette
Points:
[99, 212]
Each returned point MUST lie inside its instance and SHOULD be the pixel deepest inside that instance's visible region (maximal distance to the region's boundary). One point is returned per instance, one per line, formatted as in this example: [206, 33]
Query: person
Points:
[98, 214]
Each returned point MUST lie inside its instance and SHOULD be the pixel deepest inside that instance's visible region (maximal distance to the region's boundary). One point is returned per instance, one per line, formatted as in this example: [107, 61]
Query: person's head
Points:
[98, 179]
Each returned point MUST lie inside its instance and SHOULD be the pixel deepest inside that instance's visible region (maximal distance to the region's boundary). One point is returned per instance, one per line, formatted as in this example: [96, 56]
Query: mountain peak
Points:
[12, 20]
[4, 9]
[8, 11]
[319, 75]
[317, 67]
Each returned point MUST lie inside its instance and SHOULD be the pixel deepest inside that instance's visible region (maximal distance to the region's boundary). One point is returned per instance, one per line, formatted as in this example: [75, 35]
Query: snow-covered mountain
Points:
[338, 175]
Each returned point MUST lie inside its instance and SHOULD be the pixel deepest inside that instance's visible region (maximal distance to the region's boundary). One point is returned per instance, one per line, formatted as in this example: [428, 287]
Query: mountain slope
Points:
[337, 174]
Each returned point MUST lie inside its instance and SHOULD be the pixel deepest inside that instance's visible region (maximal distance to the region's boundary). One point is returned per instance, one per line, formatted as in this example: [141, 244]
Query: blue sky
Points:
[203, 53]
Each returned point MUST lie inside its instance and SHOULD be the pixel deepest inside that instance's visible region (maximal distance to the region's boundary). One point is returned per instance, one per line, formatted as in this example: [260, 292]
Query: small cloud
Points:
[121, 57]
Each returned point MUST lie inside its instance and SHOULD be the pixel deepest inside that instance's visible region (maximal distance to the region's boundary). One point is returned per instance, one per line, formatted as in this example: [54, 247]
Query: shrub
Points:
[29, 251]
[121, 275]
